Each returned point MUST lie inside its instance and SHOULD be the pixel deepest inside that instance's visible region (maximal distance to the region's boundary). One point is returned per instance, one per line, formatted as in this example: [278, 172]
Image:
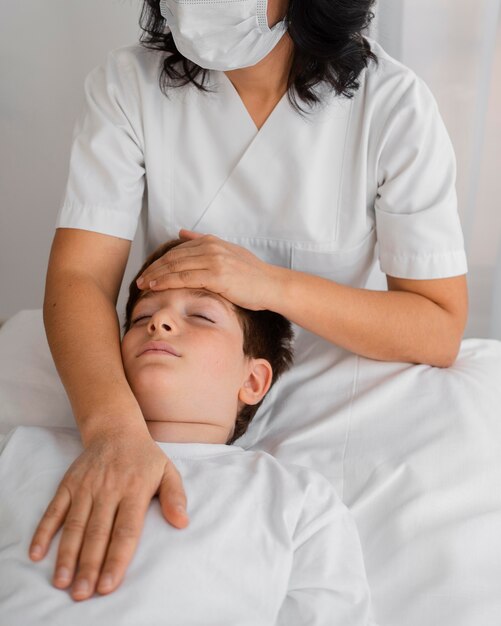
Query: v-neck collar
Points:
[229, 88]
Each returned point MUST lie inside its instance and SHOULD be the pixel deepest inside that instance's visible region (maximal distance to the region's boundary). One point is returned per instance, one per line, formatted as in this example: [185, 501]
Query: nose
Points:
[161, 320]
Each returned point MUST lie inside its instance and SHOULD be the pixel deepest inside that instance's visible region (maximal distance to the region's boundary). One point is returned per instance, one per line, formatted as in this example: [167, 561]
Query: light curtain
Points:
[455, 46]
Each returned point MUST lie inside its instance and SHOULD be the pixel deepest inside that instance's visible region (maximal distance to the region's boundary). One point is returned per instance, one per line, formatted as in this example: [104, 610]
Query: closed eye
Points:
[195, 315]
[204, 318]
[139, 318]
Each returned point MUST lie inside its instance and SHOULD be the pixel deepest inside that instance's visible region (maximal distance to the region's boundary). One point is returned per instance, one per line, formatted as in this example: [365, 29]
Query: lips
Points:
[159, 346]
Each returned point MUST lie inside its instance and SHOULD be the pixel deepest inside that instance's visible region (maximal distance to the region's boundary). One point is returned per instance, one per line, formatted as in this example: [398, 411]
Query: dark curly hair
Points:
[328, 47]
[266, 334]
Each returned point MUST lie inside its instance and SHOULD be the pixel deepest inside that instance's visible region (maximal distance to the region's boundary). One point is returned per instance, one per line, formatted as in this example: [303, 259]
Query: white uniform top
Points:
[311, 193]
[267, 544]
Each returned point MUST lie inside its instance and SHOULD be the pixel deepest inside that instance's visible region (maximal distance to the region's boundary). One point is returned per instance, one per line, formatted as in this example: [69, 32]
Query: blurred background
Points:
[47, 48]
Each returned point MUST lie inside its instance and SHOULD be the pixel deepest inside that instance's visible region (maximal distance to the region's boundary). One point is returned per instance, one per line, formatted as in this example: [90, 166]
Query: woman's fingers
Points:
[71, 538]
[188, 279]
[51, 521]
[192, 268]
[172, 497]
[170, 264]
[184, 233]
[210, 263]
[171, 256]
[129, 524]
[124, 540]
[248, 284]
[95, 543]
[203, 252]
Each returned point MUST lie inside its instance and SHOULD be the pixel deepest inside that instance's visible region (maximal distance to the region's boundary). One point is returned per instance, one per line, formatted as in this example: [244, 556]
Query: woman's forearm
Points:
[382, 325]
[83, 332]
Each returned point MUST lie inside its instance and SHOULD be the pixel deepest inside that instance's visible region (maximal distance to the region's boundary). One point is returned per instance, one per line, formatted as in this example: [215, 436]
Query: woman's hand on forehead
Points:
[210, 263]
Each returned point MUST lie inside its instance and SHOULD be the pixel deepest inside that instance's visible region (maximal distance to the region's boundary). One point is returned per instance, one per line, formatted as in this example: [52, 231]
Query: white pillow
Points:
[31, 392]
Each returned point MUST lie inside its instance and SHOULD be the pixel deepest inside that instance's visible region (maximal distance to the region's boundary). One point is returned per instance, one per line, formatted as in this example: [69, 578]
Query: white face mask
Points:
[221, 34]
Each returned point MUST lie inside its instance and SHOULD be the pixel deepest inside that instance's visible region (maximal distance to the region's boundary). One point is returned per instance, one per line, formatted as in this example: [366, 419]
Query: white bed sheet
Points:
[413, 450]
[423, 480]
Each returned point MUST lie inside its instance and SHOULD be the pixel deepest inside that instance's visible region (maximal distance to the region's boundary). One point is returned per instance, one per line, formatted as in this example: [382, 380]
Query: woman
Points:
[284, 198]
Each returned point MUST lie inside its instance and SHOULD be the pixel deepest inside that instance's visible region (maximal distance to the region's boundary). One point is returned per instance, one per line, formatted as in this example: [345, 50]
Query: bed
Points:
[414, 451]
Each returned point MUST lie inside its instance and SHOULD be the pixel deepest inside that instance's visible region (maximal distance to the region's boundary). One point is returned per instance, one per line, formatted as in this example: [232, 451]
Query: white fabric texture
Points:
[266, 544]
[31, 392]
[414, 452]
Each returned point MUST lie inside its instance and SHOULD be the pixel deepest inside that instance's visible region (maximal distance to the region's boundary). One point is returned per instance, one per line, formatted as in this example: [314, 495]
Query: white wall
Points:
[46, 50]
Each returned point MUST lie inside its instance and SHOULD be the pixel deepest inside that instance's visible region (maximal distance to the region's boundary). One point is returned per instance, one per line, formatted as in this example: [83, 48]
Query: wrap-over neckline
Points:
[229, 89]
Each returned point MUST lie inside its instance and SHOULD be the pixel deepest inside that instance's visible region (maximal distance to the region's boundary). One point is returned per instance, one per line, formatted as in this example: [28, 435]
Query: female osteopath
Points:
[288, 144]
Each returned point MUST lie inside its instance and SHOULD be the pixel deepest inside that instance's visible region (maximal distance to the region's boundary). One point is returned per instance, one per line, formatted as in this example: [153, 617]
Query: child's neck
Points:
[184, 432]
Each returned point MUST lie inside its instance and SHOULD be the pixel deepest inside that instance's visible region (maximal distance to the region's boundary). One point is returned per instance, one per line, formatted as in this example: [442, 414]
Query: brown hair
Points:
[266, 334]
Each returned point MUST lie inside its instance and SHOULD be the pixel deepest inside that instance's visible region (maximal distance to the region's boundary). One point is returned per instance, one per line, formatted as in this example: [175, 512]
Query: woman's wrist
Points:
[110, 422]
[278, 289]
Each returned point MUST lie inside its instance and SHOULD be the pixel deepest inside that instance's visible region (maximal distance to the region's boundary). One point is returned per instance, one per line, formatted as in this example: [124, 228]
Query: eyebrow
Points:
[197, 293]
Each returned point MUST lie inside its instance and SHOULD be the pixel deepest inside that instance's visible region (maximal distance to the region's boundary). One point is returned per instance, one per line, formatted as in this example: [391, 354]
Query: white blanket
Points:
[414, 451]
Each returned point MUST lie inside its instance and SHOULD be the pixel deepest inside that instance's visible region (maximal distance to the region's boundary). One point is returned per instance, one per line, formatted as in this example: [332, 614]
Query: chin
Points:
[152, 381]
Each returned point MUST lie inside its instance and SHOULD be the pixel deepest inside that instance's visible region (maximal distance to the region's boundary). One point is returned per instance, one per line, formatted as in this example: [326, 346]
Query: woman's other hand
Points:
[102, 501]
[208, 262]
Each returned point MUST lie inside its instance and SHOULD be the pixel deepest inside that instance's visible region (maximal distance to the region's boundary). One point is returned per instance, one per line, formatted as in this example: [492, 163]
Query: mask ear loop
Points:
[165, 12]
[262, 18]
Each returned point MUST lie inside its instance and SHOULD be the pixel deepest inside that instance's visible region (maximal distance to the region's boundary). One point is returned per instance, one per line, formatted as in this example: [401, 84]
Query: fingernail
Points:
[81, 586]
[181, 509]
[106, 582]
[153, 283]
[140, 281]
[36, 551]
[63, 574]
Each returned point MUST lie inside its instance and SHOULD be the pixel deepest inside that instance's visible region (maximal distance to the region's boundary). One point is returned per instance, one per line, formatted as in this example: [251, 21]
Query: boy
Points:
[266, 544]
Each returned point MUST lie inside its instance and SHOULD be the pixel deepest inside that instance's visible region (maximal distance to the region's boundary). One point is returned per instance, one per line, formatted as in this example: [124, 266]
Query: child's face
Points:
[201, 386]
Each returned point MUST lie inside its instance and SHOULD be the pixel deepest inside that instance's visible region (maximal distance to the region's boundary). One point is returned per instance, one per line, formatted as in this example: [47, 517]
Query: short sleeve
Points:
[328, 582]
[105, 186]
[417, 223]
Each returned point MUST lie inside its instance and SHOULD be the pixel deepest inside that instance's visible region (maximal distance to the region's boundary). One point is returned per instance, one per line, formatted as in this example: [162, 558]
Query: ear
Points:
[257, 383]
